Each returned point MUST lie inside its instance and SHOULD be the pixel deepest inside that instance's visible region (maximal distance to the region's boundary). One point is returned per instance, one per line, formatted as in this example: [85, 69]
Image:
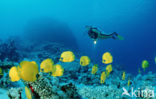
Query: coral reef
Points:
[113, 88]
[77, 82]
[44, 89]
[49, 88]
[99, 92]
[15, 93]
[4, 79]
[145, 82]
[5, 82]
[6, 64]
[71, 91]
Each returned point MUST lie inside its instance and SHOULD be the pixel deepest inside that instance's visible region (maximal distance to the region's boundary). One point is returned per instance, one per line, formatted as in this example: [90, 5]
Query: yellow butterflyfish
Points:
[46, 65]
[13, 74]
[67, 56]
[123, 76]
[108, 69]
[58, 70]
[84, 60]
[28, 71]
[139, 71]
[103, 77]
[1, 71]
[94, 69]
[107, 58]
[129, 82]
[28, 93]
[34, 62]
[145, 64]
[18, 68]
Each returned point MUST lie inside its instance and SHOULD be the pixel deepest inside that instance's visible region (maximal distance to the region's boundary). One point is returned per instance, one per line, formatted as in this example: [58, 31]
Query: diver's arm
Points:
[96, 30]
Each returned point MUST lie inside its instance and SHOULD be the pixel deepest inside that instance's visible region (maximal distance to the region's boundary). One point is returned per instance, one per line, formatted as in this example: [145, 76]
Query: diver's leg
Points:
[104, 36]
[114, 35]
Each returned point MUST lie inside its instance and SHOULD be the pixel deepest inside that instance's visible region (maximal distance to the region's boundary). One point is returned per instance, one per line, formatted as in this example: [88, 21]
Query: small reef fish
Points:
[155, 60]
[46, 65]
[28, 71]
[107, 58]
[103, 78]
[1, 71]
[129, 82]
[108, 69]
[94, 69]
[13, 74]
[58, 70]
[123, 76]
[84, 60]
[139, 71]
[145, 64]
[67, 56]
[28, 93]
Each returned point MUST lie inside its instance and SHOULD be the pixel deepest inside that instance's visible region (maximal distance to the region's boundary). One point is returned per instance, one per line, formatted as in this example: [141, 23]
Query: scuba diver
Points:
[96, 34]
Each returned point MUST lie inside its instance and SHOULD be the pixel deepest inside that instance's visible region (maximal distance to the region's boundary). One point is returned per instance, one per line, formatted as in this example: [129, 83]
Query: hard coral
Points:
[15, 93]
[99, 92]
[48, 88]
[71, 91]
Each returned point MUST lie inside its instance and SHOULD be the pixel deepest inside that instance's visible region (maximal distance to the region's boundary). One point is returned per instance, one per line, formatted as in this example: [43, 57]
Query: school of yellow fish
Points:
[28, 70]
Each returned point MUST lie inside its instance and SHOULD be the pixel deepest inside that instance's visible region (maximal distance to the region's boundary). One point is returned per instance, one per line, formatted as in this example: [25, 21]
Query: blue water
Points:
[65, 20]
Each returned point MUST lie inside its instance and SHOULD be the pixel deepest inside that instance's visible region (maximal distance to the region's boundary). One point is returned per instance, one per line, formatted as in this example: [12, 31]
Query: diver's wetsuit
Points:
[112, 35]
[92, 33]
[95, 34]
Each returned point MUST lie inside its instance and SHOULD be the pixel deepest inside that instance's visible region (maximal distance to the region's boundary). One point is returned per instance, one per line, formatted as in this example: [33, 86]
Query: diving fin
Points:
[117, 36]
[120, 37]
